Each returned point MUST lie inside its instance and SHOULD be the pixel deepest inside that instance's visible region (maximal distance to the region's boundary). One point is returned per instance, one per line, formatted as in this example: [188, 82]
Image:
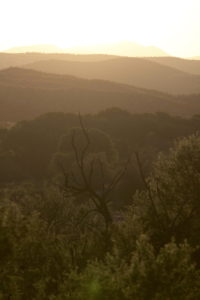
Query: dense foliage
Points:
[85, 213]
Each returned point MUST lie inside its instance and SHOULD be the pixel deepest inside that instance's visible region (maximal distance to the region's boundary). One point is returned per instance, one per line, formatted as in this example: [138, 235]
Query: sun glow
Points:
[172, 25]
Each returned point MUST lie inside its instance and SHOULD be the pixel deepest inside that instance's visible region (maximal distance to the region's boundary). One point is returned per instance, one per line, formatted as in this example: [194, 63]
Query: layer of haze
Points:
[172, 25]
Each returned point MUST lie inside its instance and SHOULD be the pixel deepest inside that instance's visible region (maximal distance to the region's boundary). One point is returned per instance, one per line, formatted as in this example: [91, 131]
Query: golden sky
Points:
[172, 25]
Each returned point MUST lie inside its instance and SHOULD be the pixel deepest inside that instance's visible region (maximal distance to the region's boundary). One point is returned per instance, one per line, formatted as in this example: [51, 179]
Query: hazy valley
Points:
[99, 175]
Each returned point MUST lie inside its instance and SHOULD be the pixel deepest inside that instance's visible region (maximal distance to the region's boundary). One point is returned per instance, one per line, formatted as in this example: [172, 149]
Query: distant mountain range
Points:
[166, 74]
[26, 94]
[121, 48]
[142, 72]
[37, 83]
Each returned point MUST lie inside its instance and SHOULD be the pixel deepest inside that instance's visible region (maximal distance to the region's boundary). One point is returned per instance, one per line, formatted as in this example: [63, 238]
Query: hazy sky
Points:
[173, 25]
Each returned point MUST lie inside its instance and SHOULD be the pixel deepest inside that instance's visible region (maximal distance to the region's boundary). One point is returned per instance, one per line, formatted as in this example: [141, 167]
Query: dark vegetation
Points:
[101, 207]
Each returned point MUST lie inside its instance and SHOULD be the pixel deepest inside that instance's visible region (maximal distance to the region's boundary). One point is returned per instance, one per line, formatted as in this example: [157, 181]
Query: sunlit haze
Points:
[172, 25]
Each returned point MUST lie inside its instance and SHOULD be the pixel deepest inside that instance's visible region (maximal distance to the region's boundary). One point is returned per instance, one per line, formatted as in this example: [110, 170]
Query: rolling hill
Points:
[26, 94]
[166, 74]
[186, 65]
[18, 59]
[133, 71]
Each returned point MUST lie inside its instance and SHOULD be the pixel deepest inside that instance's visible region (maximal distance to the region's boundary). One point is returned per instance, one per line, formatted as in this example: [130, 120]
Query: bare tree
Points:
[74, 187]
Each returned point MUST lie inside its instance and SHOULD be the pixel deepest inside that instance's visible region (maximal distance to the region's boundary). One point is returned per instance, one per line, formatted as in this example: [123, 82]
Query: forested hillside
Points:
[90, 209]
[29, 146]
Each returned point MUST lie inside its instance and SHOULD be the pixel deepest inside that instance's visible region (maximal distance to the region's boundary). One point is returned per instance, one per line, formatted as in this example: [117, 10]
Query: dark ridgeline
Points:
[99, 181]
